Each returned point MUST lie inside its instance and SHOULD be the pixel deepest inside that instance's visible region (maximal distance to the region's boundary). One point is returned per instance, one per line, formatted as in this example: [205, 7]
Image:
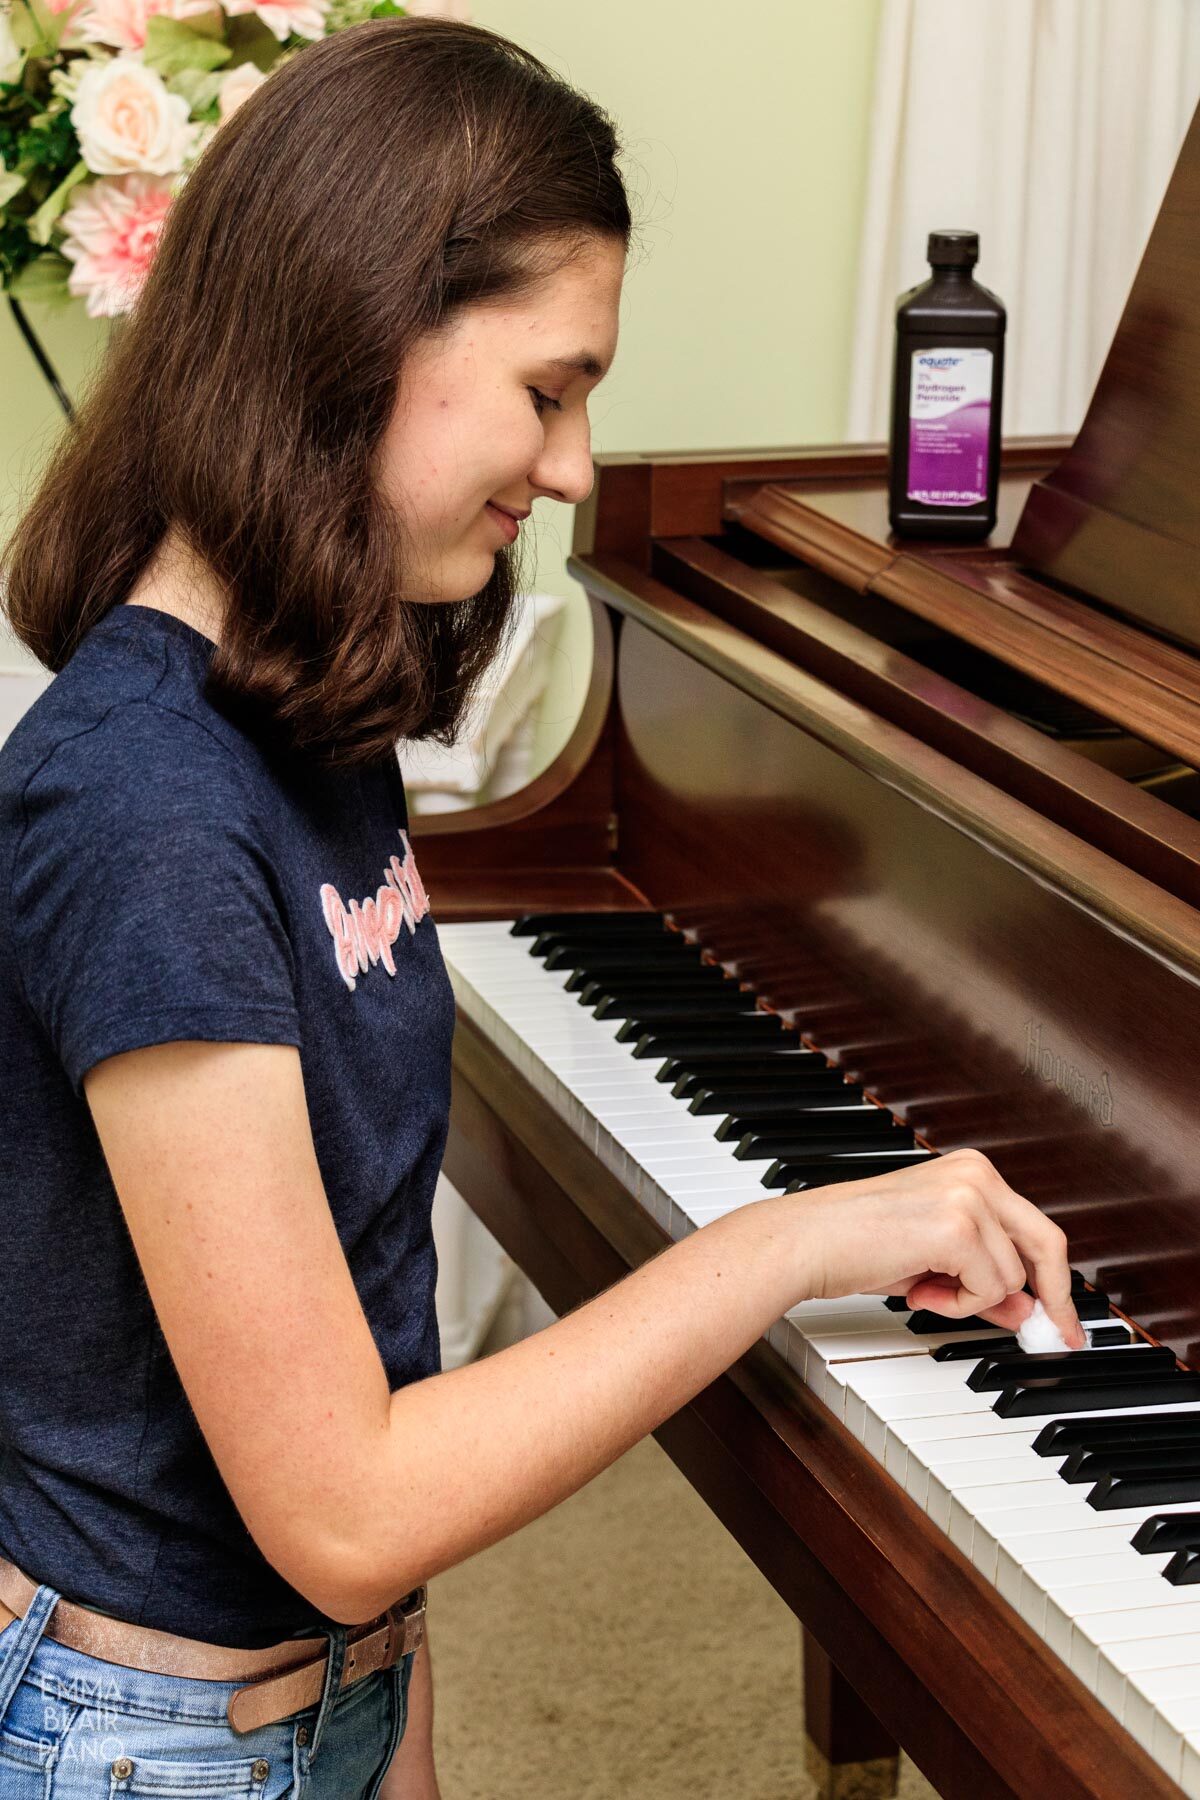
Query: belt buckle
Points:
[408, 1629]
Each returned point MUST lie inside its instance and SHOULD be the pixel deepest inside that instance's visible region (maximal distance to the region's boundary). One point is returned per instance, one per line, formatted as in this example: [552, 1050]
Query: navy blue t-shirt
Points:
[165, 878]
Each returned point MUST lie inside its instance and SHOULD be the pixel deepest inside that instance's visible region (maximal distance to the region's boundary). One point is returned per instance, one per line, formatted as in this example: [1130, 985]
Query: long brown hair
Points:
[374, 185]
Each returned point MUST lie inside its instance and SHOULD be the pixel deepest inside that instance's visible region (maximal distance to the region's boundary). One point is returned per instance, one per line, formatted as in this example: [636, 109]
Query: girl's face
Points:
[489, 412]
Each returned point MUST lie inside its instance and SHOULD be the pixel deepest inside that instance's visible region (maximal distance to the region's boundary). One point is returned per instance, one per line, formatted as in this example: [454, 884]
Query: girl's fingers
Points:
[1011, 1314]
[1043, 1249]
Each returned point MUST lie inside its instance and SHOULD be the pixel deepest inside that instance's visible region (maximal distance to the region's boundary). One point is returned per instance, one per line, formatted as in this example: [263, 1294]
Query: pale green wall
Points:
[746, 132]
[30, 416]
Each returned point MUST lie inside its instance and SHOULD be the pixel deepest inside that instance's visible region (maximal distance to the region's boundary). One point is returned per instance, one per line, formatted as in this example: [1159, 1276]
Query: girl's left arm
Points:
[411, 1774]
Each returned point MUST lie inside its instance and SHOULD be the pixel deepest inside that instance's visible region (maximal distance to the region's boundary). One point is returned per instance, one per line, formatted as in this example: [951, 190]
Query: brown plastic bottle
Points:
[947, 391]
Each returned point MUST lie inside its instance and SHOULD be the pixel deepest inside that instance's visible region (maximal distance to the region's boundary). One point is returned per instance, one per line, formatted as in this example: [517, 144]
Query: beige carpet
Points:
[621, 1648]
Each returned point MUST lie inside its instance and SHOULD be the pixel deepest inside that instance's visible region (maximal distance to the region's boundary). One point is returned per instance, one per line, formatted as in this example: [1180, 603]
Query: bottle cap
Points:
[953, 249]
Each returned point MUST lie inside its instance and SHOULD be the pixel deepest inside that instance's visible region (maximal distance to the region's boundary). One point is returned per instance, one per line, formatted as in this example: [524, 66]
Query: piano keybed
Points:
[1071, 1484]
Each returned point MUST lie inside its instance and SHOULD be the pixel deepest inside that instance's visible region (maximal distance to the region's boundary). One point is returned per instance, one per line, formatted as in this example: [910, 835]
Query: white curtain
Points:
[1050, 127]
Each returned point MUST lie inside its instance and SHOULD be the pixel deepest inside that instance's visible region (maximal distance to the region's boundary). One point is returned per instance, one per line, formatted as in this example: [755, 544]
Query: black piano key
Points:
[668, 979]
[1113, 1493]
[1085, 1466]
[1138, 1364]
[896, 1303]
[603, 938]
[532, 923]
[971, 1348]
[779, 1133]
[745, 1026]
[1062, 1436]
[849, 1114]
[1167, 1531]
[683, 978]
[747, 1034]
[1088, 1306]
[1106, 1337]
[675, 1009]
[1103, 1338]
[673, 1070]
[963, 1352]
[824, 1138]
[609, 959]
[642, 954]
[926, 1324]
[795, 1177]
[1039, 1400]
[765, 1072]
[1183, 1570]
[826, 1085]
[771, 1109]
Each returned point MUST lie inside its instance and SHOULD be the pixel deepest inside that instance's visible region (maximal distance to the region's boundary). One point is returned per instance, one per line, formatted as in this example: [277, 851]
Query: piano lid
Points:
[1119, 518]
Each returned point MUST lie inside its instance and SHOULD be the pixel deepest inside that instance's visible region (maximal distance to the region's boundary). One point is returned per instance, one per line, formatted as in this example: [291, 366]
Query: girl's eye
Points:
[542, 401]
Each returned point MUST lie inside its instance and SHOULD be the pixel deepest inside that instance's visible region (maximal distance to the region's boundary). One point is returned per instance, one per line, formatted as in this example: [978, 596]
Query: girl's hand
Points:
[949, 1234]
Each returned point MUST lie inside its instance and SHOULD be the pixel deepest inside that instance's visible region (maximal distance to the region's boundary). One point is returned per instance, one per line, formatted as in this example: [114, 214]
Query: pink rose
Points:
[122, 23]
[112, 230]
[305, 17]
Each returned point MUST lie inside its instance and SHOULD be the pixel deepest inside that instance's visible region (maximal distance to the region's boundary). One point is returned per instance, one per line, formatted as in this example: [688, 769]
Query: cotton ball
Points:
[1039, 1333]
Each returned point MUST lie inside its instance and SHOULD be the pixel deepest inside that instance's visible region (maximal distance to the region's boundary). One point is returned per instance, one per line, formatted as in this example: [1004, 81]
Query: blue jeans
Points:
[75, 1728]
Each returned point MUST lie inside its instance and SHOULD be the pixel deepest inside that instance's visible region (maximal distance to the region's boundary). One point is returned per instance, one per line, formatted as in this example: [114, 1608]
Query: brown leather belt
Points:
[283, 1677]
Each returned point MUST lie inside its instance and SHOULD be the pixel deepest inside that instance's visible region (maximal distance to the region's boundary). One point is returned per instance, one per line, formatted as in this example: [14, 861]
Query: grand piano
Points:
[863, 850]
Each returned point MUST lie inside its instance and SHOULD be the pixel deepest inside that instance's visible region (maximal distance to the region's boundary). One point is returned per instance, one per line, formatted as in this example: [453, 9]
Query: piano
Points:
[863, 850]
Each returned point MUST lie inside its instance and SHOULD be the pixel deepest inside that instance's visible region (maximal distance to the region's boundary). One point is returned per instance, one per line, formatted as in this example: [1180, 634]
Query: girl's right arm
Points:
[357, 1494]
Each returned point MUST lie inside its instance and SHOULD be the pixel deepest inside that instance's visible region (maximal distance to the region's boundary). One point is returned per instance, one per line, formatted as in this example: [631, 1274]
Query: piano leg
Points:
[849, 1754]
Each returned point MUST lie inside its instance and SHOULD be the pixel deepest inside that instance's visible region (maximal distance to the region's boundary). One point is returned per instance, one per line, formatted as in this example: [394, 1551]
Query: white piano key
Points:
[863, 1343]
[883, 1380]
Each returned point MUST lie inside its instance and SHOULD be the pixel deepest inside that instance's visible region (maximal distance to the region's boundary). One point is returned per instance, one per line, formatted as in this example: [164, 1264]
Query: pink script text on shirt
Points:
[364, 931]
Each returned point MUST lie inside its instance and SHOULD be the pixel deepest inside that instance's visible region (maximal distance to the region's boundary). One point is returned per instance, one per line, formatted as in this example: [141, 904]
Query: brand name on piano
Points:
[1095, 1097]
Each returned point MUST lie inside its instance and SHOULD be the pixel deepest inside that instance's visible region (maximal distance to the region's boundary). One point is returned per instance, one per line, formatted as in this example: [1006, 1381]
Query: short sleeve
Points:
[144, 906]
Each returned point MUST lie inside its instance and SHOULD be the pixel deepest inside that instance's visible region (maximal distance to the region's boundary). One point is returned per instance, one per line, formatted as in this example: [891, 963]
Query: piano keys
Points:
[982, 1470]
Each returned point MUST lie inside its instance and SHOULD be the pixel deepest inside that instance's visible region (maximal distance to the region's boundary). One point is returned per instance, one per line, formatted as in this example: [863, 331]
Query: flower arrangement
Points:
[105, 106]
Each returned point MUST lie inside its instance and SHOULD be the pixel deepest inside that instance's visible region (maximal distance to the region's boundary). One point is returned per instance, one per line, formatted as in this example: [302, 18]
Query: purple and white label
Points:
[949, 418]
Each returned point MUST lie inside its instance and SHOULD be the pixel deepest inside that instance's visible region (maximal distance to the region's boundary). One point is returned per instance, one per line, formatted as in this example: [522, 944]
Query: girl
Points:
[279, 541]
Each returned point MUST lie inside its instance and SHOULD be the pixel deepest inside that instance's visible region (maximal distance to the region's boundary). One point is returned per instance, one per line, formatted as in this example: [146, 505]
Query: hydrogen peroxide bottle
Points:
[947, 388]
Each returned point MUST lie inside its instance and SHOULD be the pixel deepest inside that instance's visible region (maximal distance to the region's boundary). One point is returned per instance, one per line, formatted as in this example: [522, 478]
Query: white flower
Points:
[127, 120]
[237, 86]
[11, 53]
[305, 17]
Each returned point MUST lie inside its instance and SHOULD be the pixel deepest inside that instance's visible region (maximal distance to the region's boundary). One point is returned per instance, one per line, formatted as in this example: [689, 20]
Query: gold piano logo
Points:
[1095, 1097]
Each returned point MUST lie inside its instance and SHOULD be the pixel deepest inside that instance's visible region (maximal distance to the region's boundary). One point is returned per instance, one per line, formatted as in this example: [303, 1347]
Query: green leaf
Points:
[36, 30]
[386, 9]
[42, 222]
[43, 280]
[198, 88]
[171, 47]
[10, 185]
